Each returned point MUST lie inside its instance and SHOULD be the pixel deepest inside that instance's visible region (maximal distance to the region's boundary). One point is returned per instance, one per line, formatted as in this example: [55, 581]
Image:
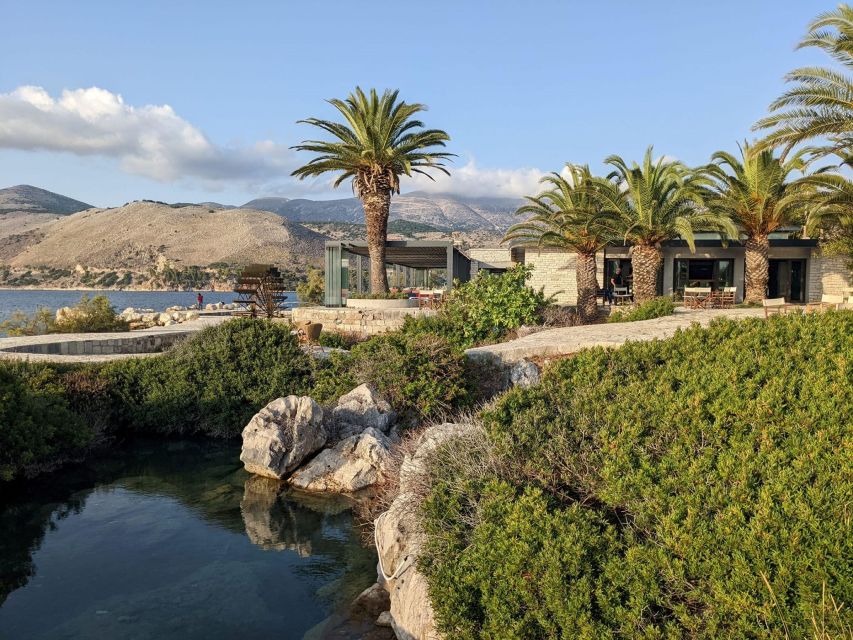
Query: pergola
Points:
[410, 263]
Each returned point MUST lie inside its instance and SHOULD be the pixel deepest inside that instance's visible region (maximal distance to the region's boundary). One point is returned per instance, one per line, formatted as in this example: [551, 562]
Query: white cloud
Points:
[471, 180]
[151, 140]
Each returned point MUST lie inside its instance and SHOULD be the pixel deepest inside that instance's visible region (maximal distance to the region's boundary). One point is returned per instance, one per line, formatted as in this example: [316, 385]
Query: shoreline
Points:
[85, 289]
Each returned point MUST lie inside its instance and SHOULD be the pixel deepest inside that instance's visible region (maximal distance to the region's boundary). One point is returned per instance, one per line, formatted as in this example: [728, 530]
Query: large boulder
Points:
[281, 435]
[360, 409]
[352, 464]
[398, 543]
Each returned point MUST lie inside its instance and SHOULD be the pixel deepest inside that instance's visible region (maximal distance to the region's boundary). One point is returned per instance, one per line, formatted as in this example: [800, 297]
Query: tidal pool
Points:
[169, 539]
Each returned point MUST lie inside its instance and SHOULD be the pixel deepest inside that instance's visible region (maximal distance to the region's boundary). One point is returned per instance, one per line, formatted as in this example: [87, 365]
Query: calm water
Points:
[173, 540]
[30, 300]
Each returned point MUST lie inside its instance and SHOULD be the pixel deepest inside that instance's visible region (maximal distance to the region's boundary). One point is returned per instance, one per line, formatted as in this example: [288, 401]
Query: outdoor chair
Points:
[774, 306]
[848, 295]
[828, 301]
[697, 297]
[726, 297]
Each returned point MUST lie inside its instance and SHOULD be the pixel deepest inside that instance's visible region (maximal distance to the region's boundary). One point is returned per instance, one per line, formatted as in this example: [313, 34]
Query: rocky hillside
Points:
[28, 199]
[141, 235]
[445, 211]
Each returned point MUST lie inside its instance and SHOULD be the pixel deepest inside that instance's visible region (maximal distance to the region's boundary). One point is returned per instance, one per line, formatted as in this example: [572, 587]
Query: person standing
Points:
[200, 299]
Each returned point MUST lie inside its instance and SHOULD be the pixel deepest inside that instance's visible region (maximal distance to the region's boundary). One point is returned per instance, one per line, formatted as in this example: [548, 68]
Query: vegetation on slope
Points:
[695, 487]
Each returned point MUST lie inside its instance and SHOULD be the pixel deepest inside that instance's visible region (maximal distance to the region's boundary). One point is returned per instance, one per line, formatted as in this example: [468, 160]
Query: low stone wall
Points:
[362, 321]
[111, 346]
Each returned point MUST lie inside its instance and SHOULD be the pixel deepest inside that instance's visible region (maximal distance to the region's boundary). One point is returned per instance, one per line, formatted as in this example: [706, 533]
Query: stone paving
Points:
[100, 347]
[568, 340]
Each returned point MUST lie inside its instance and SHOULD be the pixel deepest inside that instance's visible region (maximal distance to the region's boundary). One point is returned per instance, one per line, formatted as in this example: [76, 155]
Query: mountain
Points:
[142, 235]
[28, 199]
[445, 211]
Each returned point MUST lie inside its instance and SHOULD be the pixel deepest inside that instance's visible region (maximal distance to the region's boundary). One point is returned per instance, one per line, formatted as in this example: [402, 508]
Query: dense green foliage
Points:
[654, 308]
[421, 374]
[695, 487]
[213, 382]
[90, 315]
[37, 423]
[313, 289]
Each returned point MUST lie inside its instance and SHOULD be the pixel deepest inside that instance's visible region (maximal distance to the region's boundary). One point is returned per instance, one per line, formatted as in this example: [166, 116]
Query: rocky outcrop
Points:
[398, 544]
[352, 464]
[523, 373]
[360, 409]
[282, 435]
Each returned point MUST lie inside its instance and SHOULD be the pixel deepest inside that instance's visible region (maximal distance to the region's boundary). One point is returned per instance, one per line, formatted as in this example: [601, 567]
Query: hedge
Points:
[694, 487]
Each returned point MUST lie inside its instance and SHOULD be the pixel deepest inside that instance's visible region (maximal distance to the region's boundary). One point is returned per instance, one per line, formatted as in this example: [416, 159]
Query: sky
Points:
[112, 101]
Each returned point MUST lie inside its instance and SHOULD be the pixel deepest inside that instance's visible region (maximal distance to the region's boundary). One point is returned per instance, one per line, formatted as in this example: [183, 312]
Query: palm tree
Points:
[655, 202]
[565, 215]
[754, 191]
[379, 142]
[820, 105]
[831, 212]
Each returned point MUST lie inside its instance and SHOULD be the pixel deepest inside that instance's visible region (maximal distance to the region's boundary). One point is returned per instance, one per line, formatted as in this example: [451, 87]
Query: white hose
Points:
[404, 565]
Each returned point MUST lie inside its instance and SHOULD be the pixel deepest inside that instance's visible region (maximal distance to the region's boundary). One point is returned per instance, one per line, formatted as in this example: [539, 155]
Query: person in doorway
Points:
[616, 280]
[200, 299]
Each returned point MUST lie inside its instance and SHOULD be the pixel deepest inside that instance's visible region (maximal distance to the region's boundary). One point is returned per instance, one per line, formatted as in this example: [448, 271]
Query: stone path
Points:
[99, 347]
[567, 340]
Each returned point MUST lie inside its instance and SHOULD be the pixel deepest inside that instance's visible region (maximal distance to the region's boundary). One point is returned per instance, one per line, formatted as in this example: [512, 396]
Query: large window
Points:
[703, 273]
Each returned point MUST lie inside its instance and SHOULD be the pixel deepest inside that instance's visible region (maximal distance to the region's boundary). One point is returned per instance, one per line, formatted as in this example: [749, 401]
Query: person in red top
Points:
[200, 299]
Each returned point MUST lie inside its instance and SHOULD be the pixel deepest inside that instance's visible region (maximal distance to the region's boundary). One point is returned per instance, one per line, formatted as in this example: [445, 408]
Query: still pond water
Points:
[30, 300]
[162, 540]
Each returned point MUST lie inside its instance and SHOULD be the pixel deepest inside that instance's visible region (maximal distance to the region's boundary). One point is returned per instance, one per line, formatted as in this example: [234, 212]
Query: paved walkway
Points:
[70, 347]
[567, 340]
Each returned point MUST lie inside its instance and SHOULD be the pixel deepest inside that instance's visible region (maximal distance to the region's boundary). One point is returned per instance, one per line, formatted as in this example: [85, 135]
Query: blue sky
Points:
[521, 87]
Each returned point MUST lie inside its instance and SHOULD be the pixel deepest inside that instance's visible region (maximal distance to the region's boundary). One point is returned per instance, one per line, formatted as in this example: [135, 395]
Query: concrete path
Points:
[98, 347]
[567, 340]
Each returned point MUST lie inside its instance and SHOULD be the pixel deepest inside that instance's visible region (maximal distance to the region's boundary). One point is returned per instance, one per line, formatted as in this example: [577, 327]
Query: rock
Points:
[163, 317]
[281, 435]
[371, 602]
[360, 409]
[169, 323]
[523, 374]
[398, 544]
[384, 619]
[352, 464]
[192, 315]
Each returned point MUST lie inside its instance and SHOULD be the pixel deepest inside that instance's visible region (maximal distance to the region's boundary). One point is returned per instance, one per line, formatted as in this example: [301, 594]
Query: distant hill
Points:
[29, 199]
[443, 211]
[141, 235]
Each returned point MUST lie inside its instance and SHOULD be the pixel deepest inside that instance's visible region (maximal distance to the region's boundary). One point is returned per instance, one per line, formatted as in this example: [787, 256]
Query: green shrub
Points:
[213, 382]
[313, 290]
[695, 487]
[338, 340]
[93, 315]
[654, 308]
[37, 425]
[421, 375]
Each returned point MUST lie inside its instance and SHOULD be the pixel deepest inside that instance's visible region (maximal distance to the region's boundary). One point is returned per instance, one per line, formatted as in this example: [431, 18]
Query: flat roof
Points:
[418, 254]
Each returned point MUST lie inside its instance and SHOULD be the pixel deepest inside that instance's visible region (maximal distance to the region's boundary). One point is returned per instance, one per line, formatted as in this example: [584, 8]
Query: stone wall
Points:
[828, 275]
[362, 321]
[92, 346]
[554, 271]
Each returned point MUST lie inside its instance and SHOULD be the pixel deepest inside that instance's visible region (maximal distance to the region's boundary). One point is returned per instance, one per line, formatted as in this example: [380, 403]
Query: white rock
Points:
[281, 435]
[384, 619]
[351, 465]
[360, 409]
[169, 323]
[524, 374]
[162, 318]
[192, 315]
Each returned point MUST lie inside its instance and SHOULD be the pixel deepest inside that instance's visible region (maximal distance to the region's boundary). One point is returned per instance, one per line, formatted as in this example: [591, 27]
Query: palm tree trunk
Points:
[587, 283]
[377, 205]
[646, 261]
[757, 267]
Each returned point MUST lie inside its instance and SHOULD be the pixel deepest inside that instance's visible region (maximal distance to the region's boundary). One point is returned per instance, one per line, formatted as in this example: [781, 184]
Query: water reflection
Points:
[170, 540]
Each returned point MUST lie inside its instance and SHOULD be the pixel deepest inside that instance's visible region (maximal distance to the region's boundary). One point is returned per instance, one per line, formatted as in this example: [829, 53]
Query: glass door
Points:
[787, 279]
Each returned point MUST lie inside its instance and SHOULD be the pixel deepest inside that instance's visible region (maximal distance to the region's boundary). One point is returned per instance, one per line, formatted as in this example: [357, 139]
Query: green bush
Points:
[37, 425]
[95, 315]
[655, 308]
[313, 290]
[213, 382]
[338, 340]
[695, 487]
[421, 375]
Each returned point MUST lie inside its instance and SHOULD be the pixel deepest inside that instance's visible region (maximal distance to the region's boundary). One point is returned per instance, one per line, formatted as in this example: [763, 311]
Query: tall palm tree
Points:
[379, 142]
[831, 212]
[820, 104]
[655, 202]
[566, 215]
[756, 193]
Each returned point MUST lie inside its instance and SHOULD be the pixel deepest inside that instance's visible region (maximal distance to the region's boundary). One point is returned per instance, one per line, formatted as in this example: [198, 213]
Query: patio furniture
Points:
[621, 295]
[697, 297]
[774, 306]
[828, 301]
[309, 332]
[726, 297]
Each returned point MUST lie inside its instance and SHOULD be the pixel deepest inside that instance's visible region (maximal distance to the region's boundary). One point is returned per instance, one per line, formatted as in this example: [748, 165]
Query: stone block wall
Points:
[92, 346]
[367, 322]
[828, 275]
[554, 271]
